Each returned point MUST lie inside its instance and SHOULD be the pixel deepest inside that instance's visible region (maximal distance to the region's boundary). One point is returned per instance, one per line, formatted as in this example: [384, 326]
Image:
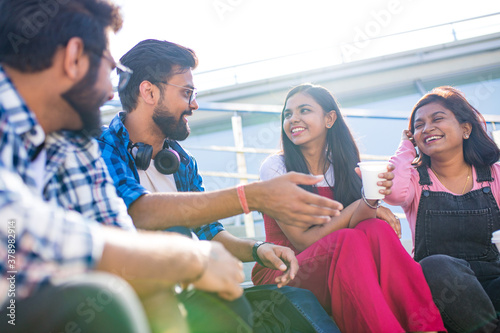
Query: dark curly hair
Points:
[32, 30]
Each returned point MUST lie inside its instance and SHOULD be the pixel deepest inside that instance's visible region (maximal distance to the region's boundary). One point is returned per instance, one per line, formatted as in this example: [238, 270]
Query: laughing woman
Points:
[354, 264]
[451, 195]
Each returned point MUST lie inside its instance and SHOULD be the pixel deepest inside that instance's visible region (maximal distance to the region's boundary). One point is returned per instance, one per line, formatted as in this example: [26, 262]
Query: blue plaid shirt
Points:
[114, 143]
[51, 242]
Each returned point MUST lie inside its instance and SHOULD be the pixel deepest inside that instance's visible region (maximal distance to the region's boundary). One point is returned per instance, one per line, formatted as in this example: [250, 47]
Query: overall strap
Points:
[424, 175]
[483, 174]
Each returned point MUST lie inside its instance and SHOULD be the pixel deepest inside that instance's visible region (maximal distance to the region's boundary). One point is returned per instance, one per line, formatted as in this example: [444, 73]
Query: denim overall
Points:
[453, 245]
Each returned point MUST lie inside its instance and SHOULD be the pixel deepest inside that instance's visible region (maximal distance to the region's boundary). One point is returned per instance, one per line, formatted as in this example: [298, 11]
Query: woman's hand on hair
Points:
[407, 135]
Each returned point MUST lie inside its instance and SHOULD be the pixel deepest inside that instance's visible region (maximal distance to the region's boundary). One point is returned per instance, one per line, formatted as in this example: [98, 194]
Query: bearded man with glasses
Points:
[60, 269]
[149, 168]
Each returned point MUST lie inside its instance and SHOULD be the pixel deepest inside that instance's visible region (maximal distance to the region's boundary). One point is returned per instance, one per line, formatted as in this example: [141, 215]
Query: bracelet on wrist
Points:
[254, 252]
[377, 205]
[242, 198]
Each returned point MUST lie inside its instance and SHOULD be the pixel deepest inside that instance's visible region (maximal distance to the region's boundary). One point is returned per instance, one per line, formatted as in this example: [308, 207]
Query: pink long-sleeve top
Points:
[406, 190]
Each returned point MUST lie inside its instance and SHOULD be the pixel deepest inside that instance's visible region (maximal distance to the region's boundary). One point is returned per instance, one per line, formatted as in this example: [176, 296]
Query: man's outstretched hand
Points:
[283, 200]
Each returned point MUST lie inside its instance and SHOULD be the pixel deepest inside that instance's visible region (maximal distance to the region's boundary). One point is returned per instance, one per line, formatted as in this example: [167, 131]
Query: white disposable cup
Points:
[496, 239]
[369, 175]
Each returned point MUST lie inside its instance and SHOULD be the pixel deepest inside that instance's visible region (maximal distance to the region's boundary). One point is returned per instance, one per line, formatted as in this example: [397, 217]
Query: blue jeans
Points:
[466, 293]
[288, 310]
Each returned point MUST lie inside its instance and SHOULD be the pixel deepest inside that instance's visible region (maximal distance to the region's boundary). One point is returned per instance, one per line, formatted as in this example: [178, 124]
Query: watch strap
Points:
[254, 252]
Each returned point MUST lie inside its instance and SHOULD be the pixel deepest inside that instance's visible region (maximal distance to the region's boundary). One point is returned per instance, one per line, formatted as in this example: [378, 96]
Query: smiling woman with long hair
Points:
[451, 195]
[354, 264]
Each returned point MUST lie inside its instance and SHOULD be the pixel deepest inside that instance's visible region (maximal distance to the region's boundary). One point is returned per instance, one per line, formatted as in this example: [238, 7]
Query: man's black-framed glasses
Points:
[191, 91]
[120, 74]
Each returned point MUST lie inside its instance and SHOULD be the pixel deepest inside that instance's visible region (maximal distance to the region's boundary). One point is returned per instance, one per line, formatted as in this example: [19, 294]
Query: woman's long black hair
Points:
[341, 150]
[479, 149]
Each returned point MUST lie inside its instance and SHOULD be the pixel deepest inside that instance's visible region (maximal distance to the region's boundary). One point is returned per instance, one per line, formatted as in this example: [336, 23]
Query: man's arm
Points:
[273, 256]
[150, 261]
[279, 198]
[50, 242]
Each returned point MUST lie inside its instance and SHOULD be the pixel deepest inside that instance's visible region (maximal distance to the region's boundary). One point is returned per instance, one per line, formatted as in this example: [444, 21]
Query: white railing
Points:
[240, 150]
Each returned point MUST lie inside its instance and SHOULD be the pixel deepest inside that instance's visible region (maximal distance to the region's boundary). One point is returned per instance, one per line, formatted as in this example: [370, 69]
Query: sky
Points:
[225, 33]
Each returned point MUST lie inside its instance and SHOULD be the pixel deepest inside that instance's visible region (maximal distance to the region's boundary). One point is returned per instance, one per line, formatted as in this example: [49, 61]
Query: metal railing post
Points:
[242, 167]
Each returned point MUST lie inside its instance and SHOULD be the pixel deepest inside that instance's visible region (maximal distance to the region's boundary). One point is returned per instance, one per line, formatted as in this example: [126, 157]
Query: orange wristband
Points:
[242, 198]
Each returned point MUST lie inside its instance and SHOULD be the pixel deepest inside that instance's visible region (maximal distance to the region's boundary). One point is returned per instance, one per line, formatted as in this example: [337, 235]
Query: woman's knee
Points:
[441, 265]
[376, 229]
[342, 239]
[346, 235]
[464, 304]
[442, 271]
[374, 225]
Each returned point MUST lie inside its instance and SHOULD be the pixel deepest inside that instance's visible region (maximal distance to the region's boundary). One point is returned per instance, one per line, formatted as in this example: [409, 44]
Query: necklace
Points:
[466, 181]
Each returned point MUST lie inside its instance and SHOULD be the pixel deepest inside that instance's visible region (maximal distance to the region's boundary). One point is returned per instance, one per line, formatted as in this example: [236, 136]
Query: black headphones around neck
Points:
[167, 160]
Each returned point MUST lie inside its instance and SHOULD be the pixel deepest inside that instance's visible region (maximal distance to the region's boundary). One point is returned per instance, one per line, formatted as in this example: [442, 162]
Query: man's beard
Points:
[172, 128]
[86, 101]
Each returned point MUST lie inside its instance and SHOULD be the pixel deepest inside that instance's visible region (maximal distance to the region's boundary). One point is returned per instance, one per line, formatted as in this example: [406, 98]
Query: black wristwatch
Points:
[254, 252]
